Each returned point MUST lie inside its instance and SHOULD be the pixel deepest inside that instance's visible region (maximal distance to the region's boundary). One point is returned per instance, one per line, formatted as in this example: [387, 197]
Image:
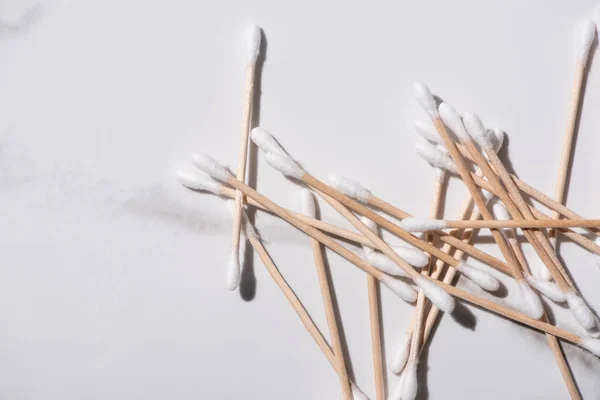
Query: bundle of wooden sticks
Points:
[457, 145]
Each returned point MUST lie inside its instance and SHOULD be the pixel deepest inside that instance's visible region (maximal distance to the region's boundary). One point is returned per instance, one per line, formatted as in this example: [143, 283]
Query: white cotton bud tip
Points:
[265, 141]
[412, 224]
[582, 313]
[481, 278]
[452, 120]
[285, 164]
[410, 385]
[369, 223]
[434, 157]
[477, 131]
[438, 296]
[253, 38]
[383, 263]
[548, 289]
[427, 130]
[500, 212]
[349, 187]
[487, 196]
[195, 180]
[497, 138]
[210, 166]
[588, 34]
[401, 355]
[233, 271]
[533, 304]
[400, 289]
[307, 203]
[357, 394]
[425, 99]
[591, 345]
[414, 257]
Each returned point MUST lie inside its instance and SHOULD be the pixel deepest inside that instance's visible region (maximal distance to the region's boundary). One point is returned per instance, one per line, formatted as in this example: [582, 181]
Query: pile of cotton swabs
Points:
[419, 272]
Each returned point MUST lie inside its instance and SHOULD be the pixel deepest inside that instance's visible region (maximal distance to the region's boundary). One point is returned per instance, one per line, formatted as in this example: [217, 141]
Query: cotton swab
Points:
[253, 42]
[587, 38]
[582, 313]
[209, 166]
[427, 101]
[308, 205]
[434, 157]
[375, 323]
[293, 299]
[413, 224]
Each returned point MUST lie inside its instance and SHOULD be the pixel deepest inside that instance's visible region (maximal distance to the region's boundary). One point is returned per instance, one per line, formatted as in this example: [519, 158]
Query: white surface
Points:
[112, 283]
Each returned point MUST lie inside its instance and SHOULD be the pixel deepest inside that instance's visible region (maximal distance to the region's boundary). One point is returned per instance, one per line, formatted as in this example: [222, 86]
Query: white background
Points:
[112, 280]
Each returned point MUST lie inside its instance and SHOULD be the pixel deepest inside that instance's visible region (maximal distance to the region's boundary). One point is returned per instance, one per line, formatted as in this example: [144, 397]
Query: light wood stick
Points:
[354, 259]
[523, 224]
[375, 324]
[331, 318]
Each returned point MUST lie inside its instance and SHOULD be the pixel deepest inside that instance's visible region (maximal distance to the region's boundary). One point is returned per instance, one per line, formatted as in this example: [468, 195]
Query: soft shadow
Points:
[464, 316]
[25, 23]
[248, 281]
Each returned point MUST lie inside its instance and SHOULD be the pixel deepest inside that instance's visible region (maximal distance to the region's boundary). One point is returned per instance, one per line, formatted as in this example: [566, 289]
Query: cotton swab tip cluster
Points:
[349, 187]
[481, 278]
[582, 313]
[434, 157]
[425, 99]
[410, 384]
[427, 131]
[253, 39]
[452, 120]
[196, 181]
[412, 224]
[477, 131]
[285, 164]
[547, 288]
[266, 141]
[588, 34]
[533, 304]
[210, 166]
[307, 203]
[401, 355]
[436, 294]
[399, 288]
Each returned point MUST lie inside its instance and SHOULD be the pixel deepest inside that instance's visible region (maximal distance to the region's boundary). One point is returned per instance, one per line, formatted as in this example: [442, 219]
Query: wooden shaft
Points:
[378, 219]
[354, 259]
[243, 155]
[519, 223]
[332, 322]
[567, 149]
[478, 198]
[375, 324]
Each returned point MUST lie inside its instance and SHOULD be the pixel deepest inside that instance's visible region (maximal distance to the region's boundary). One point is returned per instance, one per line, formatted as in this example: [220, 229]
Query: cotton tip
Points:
[582, 313]
[533, 304]
[383, 263]
[438, 296]
[481, 278]
[401, 354]
[233, 271]
[253, 37]
[548, 289]
[265, 141]
[591, 345]
[357, 394]
[434, 157]
[197, 181]
[453, 121]
[349, 187]
[414, 257]
[410, 384]
[210, 166]
[588, 34]
[412, 224]
[500, 212]
[477, 131]
[425, 99]
[369, 223]
[427, 130]
[285, 164]
[497, 138]
[400, 289]
[307, 203]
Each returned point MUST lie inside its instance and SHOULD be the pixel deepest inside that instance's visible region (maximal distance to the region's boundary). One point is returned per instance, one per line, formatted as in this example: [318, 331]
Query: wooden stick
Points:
[523, 224]
[375, 324]
[243, 152]
[354, 259]
[331, 318]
